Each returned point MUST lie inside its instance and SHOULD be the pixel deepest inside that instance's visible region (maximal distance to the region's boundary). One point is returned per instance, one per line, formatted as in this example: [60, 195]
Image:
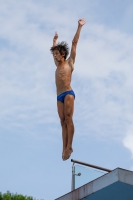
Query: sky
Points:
[30, 131]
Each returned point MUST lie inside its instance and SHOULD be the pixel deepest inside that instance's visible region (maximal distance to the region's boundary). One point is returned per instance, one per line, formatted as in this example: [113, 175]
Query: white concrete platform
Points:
[116, 185]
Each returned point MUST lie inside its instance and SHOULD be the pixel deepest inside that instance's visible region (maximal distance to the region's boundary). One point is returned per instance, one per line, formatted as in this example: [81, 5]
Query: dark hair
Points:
[62, 47]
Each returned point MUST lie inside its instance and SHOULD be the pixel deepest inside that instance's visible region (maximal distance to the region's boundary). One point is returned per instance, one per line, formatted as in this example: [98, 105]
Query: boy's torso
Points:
[63, 76]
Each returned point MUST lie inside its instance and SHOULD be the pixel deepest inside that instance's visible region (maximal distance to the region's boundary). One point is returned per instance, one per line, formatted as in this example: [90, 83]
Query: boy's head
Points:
[62, 48]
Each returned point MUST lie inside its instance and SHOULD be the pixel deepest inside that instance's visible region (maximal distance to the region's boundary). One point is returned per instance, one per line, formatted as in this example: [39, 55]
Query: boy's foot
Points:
[63, 152]
[67, 153]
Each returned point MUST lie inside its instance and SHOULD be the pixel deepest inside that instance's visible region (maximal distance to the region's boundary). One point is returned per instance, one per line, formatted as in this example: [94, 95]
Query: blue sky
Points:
[30, 132]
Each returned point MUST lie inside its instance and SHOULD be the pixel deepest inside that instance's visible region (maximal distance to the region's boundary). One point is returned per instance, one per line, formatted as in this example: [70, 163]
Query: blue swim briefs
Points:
[61, 97]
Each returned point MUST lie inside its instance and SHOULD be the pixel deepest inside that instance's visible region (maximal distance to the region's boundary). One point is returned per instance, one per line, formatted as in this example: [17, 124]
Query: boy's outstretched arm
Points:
[55, 38]
[81, 22]
[54, 44]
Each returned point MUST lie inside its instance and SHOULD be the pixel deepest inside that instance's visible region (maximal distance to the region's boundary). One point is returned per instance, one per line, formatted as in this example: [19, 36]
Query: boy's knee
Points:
[68, 119]
[62, 121]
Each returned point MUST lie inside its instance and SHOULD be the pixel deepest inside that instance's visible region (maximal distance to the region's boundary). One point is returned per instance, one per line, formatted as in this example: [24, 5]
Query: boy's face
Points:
[57, 56]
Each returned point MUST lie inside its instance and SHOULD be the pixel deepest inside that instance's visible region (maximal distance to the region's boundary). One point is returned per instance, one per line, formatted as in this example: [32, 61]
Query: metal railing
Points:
[79, 174]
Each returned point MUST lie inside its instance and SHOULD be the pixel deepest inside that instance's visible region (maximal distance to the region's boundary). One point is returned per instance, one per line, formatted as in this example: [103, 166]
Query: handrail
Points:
[90, 165]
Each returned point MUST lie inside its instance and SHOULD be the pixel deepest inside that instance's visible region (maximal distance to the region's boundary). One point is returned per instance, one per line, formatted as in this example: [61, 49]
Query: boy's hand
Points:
[56, 36]
[81, 22]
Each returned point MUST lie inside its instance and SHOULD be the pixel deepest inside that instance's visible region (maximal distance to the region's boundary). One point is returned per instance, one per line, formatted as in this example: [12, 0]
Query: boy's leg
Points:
[60, 107]
[68, 112]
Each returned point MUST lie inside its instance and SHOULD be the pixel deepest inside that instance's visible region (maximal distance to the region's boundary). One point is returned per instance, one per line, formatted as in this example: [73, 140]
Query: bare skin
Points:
[63, 79]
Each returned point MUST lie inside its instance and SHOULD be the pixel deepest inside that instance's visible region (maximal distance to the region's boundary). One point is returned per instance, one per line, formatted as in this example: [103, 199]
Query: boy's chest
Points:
[63, 71]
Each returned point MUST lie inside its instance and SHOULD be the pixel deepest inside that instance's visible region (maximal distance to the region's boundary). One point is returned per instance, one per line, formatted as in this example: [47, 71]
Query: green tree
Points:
[10, 196]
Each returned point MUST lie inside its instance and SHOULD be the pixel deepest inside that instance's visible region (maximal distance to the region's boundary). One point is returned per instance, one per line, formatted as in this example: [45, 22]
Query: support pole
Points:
[73, 178]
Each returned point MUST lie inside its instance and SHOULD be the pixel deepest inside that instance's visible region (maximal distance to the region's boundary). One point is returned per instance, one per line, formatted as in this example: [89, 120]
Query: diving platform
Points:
[114, 185]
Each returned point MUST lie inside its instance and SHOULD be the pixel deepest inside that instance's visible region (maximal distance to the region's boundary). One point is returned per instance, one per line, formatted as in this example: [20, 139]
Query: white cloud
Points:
[102, 77]
[128, 140]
